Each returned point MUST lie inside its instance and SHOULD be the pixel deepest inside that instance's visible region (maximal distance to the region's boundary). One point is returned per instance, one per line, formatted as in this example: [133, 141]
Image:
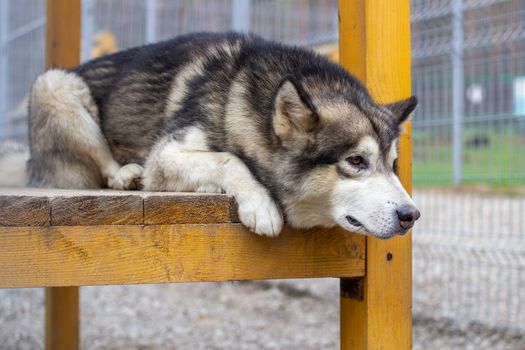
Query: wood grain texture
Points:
[37, 207]
[63, 33]
[380, 58]
[76, 256]
[24, 211]
[97, 210]
[62, 318]
[234, 210]
[187, 209]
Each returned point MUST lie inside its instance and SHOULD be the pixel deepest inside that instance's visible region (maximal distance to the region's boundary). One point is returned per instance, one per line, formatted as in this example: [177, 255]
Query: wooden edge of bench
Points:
[132, 254]
[54, 207]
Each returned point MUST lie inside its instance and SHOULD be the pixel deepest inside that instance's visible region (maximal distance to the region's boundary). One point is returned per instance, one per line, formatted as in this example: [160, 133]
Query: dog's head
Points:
[340, 151]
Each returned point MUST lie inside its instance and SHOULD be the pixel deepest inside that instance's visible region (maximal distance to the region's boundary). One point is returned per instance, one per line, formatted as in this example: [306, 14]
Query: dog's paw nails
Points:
[261, 215]
[127, 178]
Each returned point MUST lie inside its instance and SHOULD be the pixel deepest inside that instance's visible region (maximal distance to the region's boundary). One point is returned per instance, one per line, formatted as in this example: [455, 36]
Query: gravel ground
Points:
[461, 273]
[469, 257]
[233, 315]
[294, 314]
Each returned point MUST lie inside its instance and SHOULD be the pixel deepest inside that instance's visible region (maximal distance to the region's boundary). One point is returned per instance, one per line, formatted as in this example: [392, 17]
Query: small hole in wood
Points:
[389, 256]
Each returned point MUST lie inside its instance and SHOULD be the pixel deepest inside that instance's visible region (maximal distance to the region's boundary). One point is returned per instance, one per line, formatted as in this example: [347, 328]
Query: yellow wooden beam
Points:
[62, 51]
[130, 254]
[375, 46]
[62, 315]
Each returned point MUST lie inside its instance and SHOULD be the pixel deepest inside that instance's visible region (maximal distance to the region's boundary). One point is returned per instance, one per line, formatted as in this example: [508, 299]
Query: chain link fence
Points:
[468, 70]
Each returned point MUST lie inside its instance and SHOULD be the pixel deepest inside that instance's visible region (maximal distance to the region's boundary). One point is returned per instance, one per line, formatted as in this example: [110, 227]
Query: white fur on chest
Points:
[194, 140]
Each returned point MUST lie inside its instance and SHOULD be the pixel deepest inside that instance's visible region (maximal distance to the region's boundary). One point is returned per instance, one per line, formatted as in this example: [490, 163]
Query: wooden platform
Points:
[52, 238]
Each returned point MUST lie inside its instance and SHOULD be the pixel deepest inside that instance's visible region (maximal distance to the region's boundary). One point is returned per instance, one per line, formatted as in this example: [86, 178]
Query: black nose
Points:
[407, 215]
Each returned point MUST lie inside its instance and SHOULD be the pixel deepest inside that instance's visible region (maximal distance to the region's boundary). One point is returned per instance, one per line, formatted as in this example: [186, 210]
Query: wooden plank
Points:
[62, 317]
[76, 256]
[375, 46]
[186, 209]
[234, 210]
[109, 207]
[97, 210]
[63, 33]
[24, 211]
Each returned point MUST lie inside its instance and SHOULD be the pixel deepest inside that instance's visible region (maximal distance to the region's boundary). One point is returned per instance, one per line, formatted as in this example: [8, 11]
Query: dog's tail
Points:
[13, 158]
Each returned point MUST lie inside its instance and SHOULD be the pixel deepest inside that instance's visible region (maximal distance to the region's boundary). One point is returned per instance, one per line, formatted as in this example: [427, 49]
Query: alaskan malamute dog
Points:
[283, 130]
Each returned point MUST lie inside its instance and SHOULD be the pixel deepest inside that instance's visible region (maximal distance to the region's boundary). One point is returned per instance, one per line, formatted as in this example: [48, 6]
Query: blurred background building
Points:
[468, 71]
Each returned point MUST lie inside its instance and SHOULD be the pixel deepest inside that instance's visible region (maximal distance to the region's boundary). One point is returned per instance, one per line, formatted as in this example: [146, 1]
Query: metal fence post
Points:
[241, 15]
[151, 21]
[87, 29]
[458, 88]
[4, 8]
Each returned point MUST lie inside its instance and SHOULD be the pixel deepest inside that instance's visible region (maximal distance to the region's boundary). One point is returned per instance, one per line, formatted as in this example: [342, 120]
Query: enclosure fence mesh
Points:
[468, 71]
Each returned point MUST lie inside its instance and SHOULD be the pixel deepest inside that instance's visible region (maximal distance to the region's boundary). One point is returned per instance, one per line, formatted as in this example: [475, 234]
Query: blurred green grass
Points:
[491, 157]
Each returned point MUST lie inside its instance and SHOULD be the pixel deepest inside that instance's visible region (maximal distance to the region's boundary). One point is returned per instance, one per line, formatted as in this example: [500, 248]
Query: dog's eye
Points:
[357, 161]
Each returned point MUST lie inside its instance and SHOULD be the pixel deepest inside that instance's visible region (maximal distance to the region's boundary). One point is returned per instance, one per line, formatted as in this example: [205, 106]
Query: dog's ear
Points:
[294, 113]
[402, 109]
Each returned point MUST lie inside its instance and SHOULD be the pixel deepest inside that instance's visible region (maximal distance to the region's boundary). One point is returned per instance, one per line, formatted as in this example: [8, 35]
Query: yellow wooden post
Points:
[62, 50]
[63, 33]
[375, 46]
[62, 318]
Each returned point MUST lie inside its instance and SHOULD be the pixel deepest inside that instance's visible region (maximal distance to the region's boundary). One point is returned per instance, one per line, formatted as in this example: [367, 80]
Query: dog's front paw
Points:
[127, 178]
[209, 189]
[259, 213]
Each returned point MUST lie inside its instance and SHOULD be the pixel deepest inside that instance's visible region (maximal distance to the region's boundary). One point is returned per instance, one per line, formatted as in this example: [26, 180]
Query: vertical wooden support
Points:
[63, 33]
[62, 318]
[62, 50]
[375, 46]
